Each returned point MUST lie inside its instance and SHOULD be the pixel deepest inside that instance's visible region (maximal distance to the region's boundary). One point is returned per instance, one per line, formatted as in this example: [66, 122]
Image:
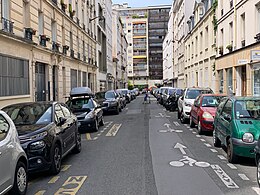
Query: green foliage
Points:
[215, 23]
[215, 5]
[70, 8]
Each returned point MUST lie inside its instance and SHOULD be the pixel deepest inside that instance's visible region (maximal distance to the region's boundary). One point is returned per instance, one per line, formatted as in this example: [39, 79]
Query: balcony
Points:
[243, 43]
[84, 58]
[222, 12]
[55, 2]
[28, 33]
[231, 3]
[7, 25]
[65, 48]
[72, 53]
[55, 46]
[78, 55]
[63, 7]
[257, 37]
[43, 40]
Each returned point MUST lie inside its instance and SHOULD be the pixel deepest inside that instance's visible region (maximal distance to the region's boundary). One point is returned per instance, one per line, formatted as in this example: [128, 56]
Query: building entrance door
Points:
[40, 81]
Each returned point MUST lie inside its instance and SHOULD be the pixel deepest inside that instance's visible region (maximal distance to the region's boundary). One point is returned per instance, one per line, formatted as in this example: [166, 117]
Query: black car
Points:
[126, 94]
[47, 132]
[109, 100]
[172, 101]
[89, 113]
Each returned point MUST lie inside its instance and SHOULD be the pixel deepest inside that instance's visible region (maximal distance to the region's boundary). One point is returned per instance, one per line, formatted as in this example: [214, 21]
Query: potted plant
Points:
[229, 47]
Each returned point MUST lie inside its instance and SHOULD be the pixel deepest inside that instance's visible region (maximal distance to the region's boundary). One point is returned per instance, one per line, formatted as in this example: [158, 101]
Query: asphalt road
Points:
[146, 150]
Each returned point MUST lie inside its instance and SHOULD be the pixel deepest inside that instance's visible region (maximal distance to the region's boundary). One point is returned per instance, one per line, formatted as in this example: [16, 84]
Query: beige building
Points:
[238, 46]
[47, 48]
[200, 49]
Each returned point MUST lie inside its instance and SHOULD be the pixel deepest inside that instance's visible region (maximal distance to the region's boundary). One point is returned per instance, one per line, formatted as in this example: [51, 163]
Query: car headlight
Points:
[207, 115]
[42, 134]
[37, 145]
[248, 137]
[90, 115]
[187, 104]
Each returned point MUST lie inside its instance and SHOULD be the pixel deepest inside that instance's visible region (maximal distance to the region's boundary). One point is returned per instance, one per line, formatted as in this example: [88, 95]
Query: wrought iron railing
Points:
[8, 26]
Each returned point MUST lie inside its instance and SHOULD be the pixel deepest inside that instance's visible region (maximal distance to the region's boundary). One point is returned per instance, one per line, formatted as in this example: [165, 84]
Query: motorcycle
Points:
[172, 102]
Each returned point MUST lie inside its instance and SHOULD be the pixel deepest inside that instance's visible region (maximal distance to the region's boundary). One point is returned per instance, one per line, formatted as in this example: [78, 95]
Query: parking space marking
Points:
[256, 189]
[176, 123]
[54, 179]
[224, 177]
[231, 166]
[95, 138]
[72, 185]
[208, 145]
[213, 150]
[102, 131]
[99, 134]
[193, 132]
[203, 140]
[198, 135]
[243, 176]
[88, 137]
[191, 129]
[40, 192]
[222, 157]
[65, 167]
[113, 131]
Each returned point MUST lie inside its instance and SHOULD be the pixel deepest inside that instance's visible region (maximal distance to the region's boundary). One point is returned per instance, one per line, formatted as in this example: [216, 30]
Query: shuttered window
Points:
[14, 76]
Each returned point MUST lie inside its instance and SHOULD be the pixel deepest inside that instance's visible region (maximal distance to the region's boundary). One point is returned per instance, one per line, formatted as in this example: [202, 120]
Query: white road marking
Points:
[54, 179]
[126, 108]
[190, 129]
[65, 167]
[40, 192]
[163, 131]
[256, 189]
[95, 138]
[213, 150]
[231, 166]
[222, 157]
[176, 123]
[243, 176]
[224, 177]
[198, 135]
[99, 134]
[203, 140]
[181, 147]
[167, 125]
[193, 132]
[208, 145]
[113, 131]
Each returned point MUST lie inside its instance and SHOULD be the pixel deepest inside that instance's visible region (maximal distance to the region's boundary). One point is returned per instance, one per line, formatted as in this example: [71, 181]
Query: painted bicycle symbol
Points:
[189, 161]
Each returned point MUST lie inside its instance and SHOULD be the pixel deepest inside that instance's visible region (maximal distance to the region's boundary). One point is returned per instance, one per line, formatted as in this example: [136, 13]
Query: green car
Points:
[237, 126]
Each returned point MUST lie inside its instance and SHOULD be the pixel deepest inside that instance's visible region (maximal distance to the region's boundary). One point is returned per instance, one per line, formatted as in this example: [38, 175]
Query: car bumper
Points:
[186, 112]
[207, 125]
[86, 124]
[110, 108]
[244, 149]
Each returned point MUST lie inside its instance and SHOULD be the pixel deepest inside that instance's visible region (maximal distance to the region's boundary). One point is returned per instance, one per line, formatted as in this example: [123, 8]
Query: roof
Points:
[80, 91]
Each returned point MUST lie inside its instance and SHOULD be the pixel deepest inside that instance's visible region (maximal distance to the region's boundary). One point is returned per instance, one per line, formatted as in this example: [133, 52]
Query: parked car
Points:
[109, 100]
[257, 160]
[203, 111]
[137, 92]
[13, 160]
[160, 94]
[237, 126]
[122, 99]
[132, 93]
[47, 131]
[89, 113]
[168, 91]
[172, 101]
[126, 94]
[187, 99]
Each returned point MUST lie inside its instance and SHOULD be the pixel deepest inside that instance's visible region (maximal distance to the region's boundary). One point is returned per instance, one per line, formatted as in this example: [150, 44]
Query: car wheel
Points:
[192, 124]
[117, 110]
[95, 126]
[77, 148]
[216, 141]
[258, 171]
[20, 180]
[56, 160]
[101, 123]
[199, 128]
[179, 114]
[231, 156]
[183, 120]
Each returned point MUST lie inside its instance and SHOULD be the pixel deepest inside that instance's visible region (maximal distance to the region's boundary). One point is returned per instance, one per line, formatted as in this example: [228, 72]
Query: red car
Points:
[203, 111]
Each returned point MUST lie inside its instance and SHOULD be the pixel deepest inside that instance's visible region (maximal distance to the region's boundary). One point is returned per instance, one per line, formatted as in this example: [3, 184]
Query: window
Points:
[201, 41]
[40, 22]
[206, 37]
[54, 31]
[231, 33]
[227, 108]
[5, 9]
[221, 84]
[58, 113]
[14, 76]
[73, 76]
[71, 41]
[229, 80]
[258, 18]
[26, 14]
[84, 79]
[64, 80]
[4, 128]
[79, 78]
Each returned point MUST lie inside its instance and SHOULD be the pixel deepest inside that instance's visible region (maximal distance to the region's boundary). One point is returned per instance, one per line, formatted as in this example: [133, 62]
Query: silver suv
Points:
[13, 160]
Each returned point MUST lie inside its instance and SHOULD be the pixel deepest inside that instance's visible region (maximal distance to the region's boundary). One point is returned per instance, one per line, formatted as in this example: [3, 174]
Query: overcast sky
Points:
[143, 3]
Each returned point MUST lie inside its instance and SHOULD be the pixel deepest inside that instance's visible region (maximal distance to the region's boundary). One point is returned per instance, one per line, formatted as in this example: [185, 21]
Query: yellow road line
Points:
[65, 167]
[40, 192]
[72, 185]
[54, 179]
[114, 129]
[88, 137]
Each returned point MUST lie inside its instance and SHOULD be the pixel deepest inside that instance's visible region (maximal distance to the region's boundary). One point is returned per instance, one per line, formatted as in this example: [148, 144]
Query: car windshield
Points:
[30, 114]
[193, 94]
[124, 92]
[247, 109]
[211, 101]
[100, 95]
[179, 91]
[110, 94]
[80, 103]
[171, 91]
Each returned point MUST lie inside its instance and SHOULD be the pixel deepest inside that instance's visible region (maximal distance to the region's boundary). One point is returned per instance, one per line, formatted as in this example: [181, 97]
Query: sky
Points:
[143, 3]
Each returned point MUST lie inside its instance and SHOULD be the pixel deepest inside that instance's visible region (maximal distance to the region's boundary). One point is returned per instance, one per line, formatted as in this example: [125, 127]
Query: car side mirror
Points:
[227, 117]
[182, 98]
[62, 121]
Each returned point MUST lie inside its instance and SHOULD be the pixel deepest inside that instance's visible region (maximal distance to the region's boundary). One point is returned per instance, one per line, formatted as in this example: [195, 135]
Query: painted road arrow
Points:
[181, 147]
[167, 125]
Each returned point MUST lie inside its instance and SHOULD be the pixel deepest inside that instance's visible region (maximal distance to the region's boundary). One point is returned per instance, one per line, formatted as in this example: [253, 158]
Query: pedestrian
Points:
[146, 98]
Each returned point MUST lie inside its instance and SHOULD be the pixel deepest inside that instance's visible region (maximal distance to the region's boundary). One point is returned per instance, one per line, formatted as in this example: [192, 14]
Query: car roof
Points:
[30, 103]
[245, 98]
[198, 88]
[211, 94]
[80, 91]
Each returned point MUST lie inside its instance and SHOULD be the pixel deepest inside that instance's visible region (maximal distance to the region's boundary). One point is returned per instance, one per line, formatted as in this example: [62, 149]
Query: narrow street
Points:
[146, 150]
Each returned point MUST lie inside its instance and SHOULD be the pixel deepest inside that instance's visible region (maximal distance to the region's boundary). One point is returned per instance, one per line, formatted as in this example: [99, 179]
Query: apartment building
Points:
[47, 48]
[238, 47]
[183, 10]
[145, 29]
[168, 52]
[119, 53]
[200, 46]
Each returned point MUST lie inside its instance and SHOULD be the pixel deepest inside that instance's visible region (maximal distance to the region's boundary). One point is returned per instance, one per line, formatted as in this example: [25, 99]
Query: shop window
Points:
[256, 82]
